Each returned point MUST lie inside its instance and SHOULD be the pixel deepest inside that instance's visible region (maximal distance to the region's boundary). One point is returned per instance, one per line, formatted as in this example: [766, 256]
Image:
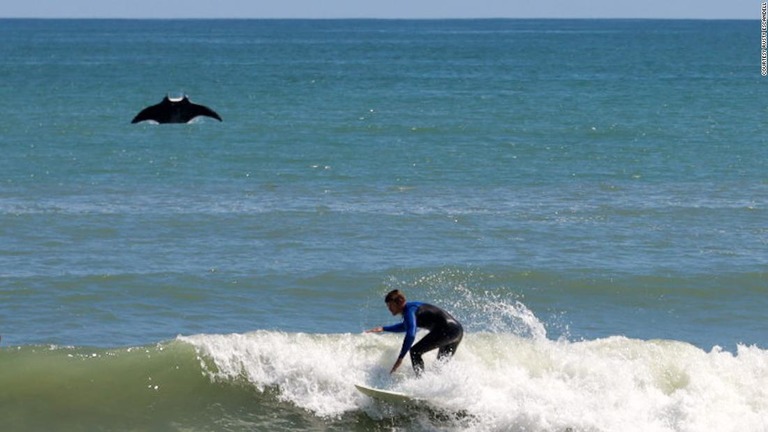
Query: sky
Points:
[674, 9]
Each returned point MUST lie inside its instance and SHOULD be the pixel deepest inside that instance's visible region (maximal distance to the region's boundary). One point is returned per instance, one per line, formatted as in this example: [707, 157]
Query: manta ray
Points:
[174, 110]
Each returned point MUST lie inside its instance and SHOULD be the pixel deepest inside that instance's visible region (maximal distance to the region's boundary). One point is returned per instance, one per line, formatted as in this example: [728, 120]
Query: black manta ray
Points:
[174, 110]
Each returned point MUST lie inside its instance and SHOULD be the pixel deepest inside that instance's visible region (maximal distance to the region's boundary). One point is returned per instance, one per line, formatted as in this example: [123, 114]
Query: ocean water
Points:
[589, 198]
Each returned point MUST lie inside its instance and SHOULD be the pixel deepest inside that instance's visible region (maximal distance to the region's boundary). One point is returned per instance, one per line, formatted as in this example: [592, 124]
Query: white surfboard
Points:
[387, 395]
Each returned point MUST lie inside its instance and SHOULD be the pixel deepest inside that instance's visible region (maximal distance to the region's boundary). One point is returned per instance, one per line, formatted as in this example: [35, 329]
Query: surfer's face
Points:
[394, 307]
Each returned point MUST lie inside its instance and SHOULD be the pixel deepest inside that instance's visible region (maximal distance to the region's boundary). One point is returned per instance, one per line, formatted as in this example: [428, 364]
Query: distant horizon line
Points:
[374, 18]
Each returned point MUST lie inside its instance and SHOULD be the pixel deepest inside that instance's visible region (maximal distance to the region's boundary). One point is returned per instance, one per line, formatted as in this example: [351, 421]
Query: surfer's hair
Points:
[394, 296]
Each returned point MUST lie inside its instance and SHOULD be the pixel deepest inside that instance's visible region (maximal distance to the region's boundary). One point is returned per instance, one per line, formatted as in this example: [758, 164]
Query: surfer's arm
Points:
[409, 327]
[395, 328]
[397, 365]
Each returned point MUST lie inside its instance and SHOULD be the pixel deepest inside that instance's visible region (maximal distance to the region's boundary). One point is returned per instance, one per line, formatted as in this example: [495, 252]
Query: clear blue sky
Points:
[706, 9]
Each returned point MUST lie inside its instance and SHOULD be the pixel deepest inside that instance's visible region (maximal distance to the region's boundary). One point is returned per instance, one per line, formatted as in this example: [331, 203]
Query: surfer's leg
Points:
[447, 339]
[432, 340]
[417, 362]
[447, 351]
[452, 341]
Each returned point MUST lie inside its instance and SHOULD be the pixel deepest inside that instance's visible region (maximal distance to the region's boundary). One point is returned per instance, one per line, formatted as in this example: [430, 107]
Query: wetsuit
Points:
[444, 332]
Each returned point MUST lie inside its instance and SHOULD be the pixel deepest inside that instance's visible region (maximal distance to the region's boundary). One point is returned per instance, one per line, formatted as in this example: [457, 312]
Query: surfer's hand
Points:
[375, 330]
[397, 365]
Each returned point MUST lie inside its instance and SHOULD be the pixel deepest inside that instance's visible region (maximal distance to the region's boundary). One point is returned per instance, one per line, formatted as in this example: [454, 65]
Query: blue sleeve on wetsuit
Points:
[408, 326]
[395, 328]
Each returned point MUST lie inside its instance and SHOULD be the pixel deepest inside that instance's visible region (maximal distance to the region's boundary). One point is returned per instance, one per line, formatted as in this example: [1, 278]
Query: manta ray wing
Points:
[159, 112]
[194, 110]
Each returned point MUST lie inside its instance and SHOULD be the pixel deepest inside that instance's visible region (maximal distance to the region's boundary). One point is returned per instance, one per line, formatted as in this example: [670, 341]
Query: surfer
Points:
[445, 332]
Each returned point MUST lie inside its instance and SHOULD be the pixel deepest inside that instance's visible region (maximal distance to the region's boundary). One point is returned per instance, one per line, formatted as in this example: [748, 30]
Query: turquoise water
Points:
[587, 197]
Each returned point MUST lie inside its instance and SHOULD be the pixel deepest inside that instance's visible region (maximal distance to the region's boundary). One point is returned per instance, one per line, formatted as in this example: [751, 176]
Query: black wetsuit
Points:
[445, 332]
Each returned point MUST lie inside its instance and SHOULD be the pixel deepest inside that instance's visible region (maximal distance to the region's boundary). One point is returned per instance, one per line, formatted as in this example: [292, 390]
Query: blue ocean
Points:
[588, 197]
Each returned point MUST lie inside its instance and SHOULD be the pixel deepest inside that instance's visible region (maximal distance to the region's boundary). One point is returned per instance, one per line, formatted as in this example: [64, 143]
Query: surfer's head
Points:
[395, 301]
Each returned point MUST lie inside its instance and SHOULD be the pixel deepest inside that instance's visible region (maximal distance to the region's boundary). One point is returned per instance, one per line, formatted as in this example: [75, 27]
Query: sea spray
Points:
[478, 300]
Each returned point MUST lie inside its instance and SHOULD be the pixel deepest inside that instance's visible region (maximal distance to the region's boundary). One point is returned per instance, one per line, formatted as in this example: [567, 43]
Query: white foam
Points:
[505, 382]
